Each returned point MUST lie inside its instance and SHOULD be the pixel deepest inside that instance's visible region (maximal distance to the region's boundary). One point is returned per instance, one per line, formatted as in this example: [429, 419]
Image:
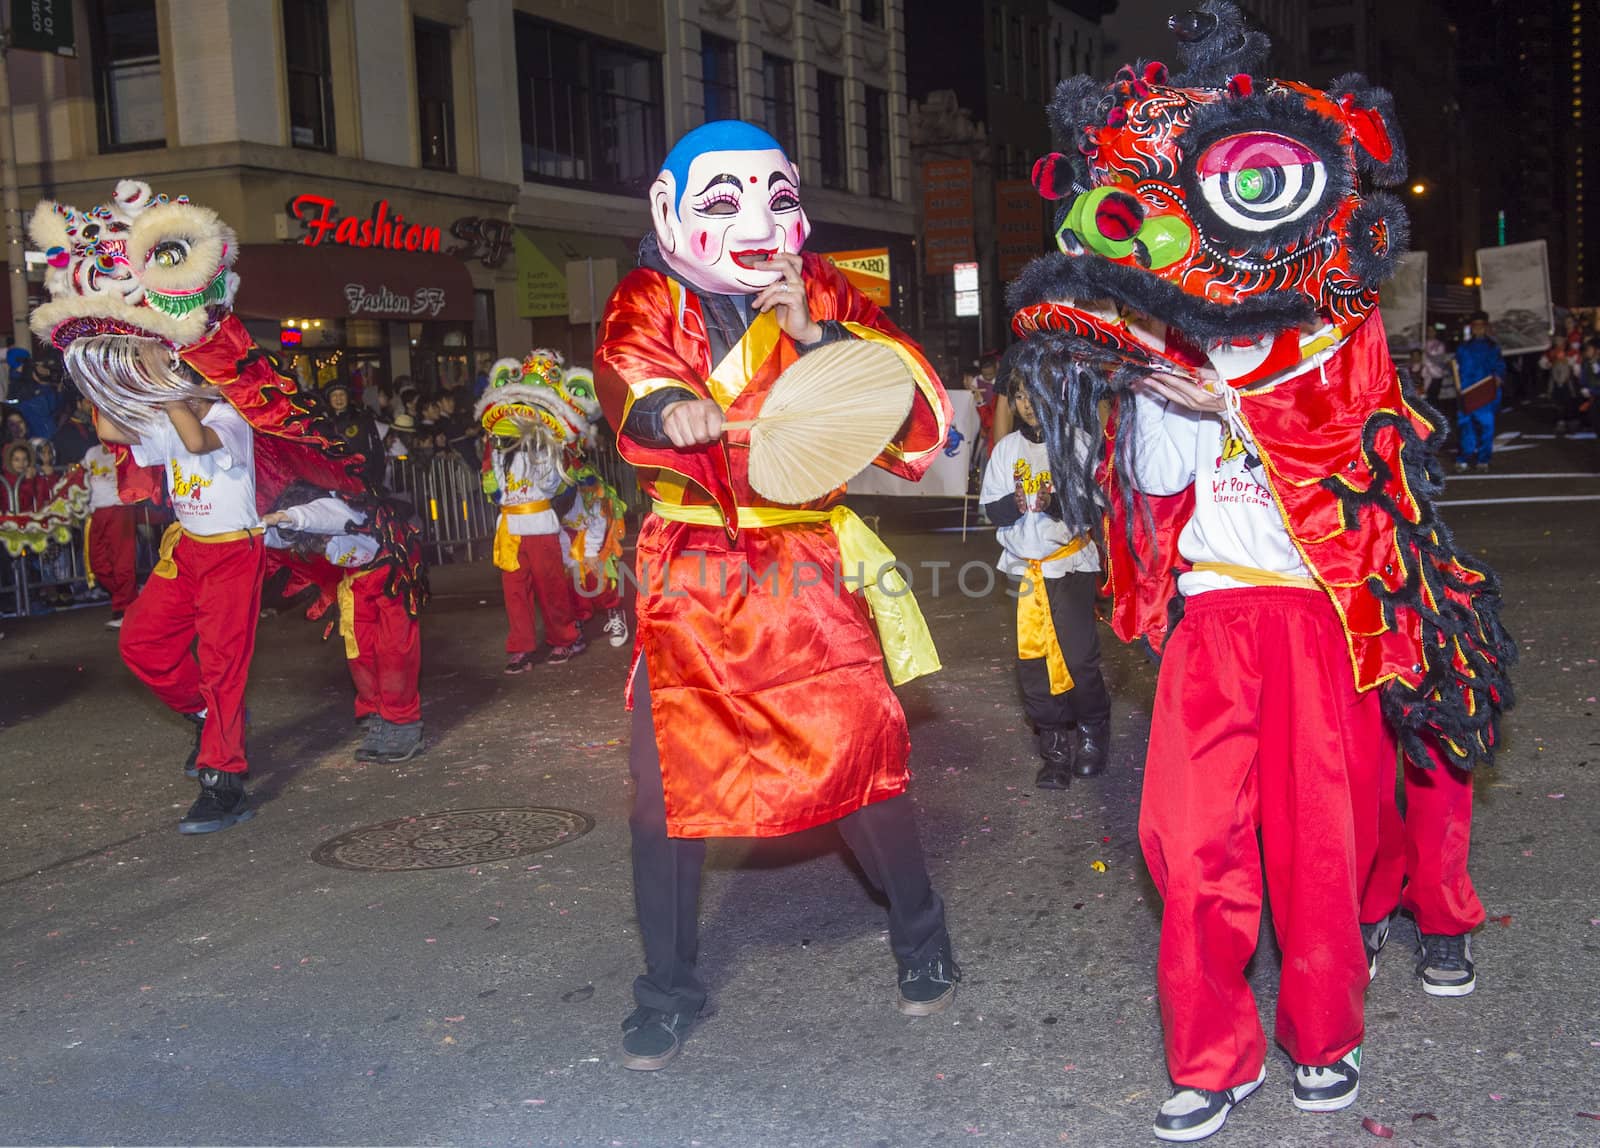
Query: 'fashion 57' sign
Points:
[423, 303]
[322, 221]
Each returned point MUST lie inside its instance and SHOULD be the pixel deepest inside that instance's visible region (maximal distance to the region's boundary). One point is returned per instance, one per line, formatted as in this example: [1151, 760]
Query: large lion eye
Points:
[1258, 181]
[169, 253]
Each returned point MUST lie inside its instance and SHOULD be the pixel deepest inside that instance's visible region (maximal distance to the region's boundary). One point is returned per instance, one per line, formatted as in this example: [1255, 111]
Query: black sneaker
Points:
[1328, 1089]
[191, 767]
[1194, 1113]
[222, 803]
[650, 1038]
[1094, 742]
[1374, 937]
[929, 987]
[1446, 965]
[560, 655]
[520, 663]
[1055, 747]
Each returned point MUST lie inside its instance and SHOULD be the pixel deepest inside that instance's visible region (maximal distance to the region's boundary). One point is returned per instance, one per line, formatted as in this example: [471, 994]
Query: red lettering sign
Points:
[322, 221]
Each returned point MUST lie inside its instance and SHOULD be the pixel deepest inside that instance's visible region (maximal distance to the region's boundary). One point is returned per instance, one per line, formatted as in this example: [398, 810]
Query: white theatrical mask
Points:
[736, 210]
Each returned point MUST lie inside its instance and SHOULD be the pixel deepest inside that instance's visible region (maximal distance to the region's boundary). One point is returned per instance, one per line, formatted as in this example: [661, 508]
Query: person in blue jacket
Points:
[1478, 358]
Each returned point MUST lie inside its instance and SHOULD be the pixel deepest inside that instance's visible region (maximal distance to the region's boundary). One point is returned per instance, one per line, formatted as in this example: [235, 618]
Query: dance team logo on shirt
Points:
[1240, 486]
[100, 470]
[1032, 481]
[187, 485]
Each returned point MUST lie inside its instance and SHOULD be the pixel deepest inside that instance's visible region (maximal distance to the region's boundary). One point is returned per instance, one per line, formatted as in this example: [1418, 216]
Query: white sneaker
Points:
[1191, 1114]
[616, 628]
[115, 622]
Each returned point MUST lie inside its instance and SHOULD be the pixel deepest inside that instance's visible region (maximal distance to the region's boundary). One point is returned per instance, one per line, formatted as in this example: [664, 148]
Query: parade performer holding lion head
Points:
[141, 289]
[1268, 481]
[760, 705]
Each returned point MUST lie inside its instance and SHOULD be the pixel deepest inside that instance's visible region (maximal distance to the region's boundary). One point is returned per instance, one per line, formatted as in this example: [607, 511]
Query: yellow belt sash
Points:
[167, 567]
[908, 649]
[1251, 576]
[347, 611]
[1036, 629]
[506, 543]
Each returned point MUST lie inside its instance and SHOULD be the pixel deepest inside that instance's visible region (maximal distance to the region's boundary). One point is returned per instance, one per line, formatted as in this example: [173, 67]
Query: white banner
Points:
[947, 477]
[1404, 301]
[1516, 296]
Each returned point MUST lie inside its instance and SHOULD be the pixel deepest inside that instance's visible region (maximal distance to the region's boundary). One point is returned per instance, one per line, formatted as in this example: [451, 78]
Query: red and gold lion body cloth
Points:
[771, 710]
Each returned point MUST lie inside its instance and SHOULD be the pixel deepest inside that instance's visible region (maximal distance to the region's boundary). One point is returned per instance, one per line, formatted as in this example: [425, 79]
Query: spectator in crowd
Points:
[38, 399]
[1481, 375]
[356, 426]
[16, 361]
[1562, 387]
[22, 488]
[1589, 383]
[16, 427]
[76, 436]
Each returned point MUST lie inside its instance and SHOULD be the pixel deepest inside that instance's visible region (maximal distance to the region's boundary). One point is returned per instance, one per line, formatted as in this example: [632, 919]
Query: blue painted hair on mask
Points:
[718, 135]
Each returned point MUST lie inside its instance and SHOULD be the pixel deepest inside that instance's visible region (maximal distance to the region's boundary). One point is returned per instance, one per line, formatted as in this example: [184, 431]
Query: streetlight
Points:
[1419, 188]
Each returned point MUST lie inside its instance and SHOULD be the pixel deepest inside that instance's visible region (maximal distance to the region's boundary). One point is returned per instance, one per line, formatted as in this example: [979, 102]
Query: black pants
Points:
[1072, 609]
[666, 877]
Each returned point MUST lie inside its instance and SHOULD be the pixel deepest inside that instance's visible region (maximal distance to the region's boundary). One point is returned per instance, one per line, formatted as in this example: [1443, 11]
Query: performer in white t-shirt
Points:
[1057, 567]
[204, 594]
[110, 539]
[527, 549]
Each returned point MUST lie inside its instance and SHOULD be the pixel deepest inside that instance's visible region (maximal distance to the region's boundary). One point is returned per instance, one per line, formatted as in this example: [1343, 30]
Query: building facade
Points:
[420, 185]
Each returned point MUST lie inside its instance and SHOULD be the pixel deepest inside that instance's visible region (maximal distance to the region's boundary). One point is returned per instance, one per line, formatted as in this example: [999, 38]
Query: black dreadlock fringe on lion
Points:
[1457, 708]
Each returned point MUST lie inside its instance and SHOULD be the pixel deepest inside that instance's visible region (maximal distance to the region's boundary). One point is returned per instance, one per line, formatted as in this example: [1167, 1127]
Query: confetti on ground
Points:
[1416, 1116]
[606, 744]
[1589, 1115]
[1496, 1096]
[1098, 866]
[1503, 922]
[1382, 1131]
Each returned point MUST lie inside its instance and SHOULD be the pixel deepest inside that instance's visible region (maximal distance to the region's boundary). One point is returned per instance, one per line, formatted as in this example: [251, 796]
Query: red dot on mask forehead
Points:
[752, 179]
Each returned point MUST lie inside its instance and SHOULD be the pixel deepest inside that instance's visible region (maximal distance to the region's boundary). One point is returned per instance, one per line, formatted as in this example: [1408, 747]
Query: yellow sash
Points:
[1036, 629]
[1251, 576]
[167, 567]
[908, 649]
[88, 566]
[507, 543]
[347, 612]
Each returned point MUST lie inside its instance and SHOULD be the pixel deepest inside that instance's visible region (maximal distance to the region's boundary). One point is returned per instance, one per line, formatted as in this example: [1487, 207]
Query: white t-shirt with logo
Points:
[330, 516]
[528, 479]
[211, 493]
[1036, 534]
[101, 469]
[1235, 521]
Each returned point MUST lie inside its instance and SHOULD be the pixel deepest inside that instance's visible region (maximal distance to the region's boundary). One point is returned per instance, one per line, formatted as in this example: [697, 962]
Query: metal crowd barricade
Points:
[30, 582]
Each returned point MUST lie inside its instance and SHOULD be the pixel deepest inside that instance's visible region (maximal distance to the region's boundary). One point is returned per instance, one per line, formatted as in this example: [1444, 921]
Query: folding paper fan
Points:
[826, 418]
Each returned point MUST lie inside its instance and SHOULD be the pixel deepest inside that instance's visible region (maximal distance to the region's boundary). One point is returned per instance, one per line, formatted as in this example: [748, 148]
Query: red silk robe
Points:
[771, 710]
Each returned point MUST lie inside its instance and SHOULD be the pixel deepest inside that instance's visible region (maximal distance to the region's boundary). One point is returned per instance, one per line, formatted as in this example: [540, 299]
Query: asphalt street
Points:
[231, 989]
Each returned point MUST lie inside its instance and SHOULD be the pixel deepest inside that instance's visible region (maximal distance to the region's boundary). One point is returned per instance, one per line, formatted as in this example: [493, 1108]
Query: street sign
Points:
[42, 26]
[966, 276]
[967, 305]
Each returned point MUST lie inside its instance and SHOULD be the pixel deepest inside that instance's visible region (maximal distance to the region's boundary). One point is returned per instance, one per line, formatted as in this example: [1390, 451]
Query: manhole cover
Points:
[456, 837]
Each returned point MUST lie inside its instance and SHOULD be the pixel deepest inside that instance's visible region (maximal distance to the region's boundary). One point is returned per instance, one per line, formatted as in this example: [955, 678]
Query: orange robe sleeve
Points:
[919, 442]
[650, 338]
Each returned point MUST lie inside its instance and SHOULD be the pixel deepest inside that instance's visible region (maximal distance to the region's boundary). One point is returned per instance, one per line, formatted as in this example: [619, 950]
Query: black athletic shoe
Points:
[929, 987]
[1194, 1113]
[400, 743]
[222, 803]
[1328, 1089]
[650, 1038]
[191, 767]
[1446, 965]
[376, 734]
[1094, 742]
[1374, 937]
[1055, 747]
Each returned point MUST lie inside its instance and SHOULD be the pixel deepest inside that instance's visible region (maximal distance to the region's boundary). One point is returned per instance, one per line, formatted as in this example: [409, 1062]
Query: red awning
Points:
[330, 281]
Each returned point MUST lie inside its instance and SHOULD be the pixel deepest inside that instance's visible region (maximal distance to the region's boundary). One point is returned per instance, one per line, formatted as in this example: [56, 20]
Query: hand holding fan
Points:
[826, 418]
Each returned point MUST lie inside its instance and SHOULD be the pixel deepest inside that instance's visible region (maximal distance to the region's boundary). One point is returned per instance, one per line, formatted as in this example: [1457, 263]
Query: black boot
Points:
[191, 767]
[1055, 746]
[222, 803]
[1094, 742]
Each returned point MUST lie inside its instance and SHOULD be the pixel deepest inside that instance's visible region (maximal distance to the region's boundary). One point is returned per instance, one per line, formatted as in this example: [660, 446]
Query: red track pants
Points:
[1258, 726]
[587, 598]
[388, 656]
[1429, 847]
[539, 584]
[113, 550]
[190, 639]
